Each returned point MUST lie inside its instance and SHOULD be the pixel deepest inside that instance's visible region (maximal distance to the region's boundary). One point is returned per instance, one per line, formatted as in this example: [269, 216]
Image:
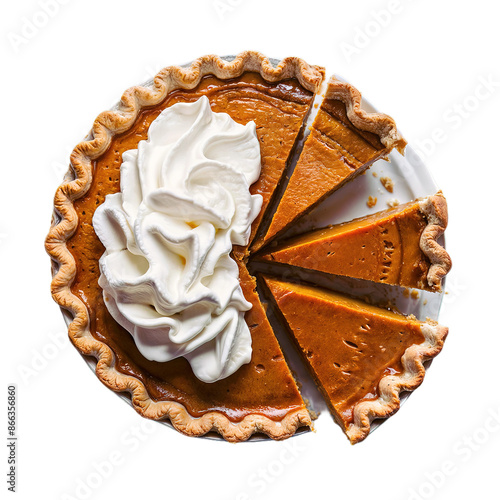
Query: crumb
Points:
[392, 305]
[406, 293]
[414, 294]
[393, 203]
[425, 302]
[388, 183]
[371, 201]
[374, 174]
[314, 414]
[316, 106]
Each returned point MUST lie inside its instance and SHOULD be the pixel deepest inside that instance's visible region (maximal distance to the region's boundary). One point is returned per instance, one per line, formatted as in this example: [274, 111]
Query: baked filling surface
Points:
[265, 385]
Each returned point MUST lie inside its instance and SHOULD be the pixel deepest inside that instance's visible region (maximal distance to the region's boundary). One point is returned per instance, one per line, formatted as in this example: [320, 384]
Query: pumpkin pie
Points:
[361, 356]
[343, 142]
[261, 396]
[398, 246]
[258, 110]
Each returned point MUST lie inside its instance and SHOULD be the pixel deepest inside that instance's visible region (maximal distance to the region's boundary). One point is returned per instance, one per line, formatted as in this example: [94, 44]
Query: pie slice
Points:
[361, 356]
[344, 141]
[261, 396]
[397, 246]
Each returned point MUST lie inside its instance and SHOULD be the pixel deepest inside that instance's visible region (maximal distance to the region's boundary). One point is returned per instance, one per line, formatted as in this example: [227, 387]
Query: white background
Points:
[425, 63]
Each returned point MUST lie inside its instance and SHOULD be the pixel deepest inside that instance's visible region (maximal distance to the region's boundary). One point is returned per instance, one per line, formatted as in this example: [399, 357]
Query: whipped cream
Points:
[166, 274]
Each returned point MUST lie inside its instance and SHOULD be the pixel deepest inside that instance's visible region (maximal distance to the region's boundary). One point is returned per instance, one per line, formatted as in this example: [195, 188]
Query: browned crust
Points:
[378, 123]
[391, 386]
[65, 221]
[435, 210]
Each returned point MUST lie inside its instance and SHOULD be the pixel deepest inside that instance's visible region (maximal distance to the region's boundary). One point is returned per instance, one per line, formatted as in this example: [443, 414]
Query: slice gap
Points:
[344, 141]
[308, 389]
[270, 352]
[281, 171]
[272, 207]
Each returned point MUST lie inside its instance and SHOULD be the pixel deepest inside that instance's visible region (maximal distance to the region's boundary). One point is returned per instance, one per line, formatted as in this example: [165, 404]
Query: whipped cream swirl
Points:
[167, 275]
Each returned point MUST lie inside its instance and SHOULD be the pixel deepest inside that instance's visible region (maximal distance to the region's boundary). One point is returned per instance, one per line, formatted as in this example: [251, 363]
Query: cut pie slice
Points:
[361, 356]
[397, 246]
[261, 396]
[344, 141]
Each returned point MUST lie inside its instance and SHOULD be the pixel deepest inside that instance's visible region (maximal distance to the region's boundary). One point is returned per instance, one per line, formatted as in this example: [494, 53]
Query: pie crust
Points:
[65, 221]
[377, 123]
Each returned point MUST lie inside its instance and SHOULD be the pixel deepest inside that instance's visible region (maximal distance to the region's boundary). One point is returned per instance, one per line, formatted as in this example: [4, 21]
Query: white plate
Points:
[411, 180]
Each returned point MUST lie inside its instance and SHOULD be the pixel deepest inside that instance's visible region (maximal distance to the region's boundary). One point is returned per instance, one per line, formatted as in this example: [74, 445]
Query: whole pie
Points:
[162, 209]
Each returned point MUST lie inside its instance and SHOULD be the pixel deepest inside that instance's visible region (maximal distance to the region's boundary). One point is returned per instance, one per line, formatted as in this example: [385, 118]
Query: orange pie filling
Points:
[349, 345]
[382, 247]
[265, 385]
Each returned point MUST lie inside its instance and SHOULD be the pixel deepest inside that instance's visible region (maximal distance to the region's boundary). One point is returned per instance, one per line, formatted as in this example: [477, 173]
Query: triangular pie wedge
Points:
[397, 246]
[344, 141]
[361, 356]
